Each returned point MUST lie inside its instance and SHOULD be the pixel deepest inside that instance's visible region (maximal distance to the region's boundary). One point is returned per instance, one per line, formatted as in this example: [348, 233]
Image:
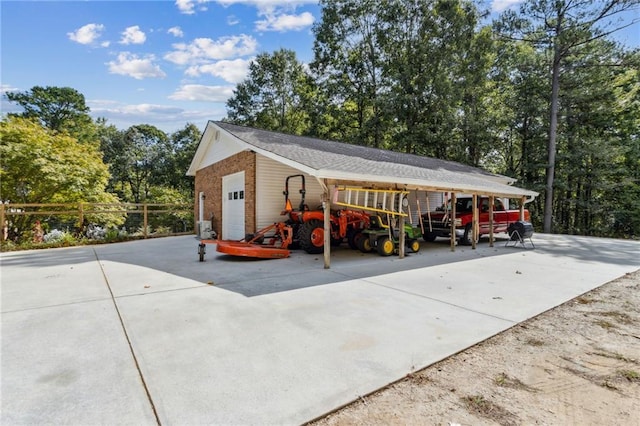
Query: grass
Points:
[584, 300]
[630, 375]
[505, 381]
[478, 404]
[535, 342]
[604, 324]
[620, 317]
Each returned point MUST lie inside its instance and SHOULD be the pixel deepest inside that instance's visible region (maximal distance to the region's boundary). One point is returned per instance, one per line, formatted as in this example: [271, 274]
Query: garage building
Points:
[240, 175]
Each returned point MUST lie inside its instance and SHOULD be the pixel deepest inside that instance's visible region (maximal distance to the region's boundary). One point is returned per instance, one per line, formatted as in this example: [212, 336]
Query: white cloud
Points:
[5, 105]
[165, 117]
[284, 22]
[136, 67]
[232, 20]
[198, 92]
[268, 4]
[133, 35]
[175, 31]
[202, 50]
[4, 88]
[187, 6]
[502, 5]
[233, 71]
[87, 34]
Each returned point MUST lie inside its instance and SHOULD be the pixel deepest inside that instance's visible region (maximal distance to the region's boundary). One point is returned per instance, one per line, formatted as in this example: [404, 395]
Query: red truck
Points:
[441, 219]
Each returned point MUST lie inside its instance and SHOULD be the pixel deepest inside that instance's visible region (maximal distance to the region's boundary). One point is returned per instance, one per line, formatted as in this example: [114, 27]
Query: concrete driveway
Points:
[132, 333]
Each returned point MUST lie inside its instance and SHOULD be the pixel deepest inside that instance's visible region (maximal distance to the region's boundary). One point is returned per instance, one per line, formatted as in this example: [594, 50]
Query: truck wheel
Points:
[414, 246]
[429, 237]
[311, 237]
[364, 243]
[465, 240]
[385, 246]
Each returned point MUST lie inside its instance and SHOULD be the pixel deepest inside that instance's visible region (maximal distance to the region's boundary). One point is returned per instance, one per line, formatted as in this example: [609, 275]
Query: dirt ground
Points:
[577, 364]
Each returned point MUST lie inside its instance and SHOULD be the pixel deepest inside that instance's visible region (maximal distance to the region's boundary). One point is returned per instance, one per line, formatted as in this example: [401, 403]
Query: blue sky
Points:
[163, 63]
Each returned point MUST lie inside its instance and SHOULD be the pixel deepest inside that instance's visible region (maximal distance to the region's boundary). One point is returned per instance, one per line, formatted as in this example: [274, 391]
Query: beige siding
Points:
[222, 148]
[435, 200]
[270, 179]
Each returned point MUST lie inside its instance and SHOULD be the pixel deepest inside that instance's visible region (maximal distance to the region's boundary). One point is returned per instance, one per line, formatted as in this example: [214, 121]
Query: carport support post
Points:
[327, 227]
[491, 201]
[474, 221]
[401, 235]
[453, 221]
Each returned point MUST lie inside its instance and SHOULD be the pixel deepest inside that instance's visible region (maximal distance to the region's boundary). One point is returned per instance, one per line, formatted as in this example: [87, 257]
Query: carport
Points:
[338, 165]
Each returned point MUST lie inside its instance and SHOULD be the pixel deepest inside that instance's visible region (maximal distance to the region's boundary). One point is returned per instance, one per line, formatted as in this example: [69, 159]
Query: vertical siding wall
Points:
[270, 179]
[209, 181]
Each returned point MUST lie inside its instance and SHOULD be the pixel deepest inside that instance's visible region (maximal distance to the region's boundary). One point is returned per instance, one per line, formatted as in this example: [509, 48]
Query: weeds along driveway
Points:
[133, 333]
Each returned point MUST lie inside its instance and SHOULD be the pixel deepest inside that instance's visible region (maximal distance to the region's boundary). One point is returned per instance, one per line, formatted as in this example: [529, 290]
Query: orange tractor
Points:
[308, 225]
[304, 228]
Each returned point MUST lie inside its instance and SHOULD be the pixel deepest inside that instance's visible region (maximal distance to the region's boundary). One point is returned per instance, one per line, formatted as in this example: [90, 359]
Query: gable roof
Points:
[340, 162]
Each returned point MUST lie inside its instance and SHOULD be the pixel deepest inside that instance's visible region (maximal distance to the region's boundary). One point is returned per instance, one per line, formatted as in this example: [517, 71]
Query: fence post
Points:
[2, 224]
[81, 217]
[144, 220]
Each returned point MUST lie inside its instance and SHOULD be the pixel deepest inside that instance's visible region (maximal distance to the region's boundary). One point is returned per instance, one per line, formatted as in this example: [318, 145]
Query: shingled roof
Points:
[340, 162]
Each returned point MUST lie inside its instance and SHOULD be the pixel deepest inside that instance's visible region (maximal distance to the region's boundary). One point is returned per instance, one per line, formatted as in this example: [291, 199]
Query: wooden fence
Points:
[84, 211]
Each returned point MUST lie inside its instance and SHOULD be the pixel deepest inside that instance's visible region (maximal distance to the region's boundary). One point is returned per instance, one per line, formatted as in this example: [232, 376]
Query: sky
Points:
[164, 63]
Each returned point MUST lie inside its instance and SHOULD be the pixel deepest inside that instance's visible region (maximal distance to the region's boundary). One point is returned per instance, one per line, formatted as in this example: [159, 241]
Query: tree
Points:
[272, 96]
[43, 166]
[183, 143]
[436, 69]
[349, 61]
[143, 154]
[56, 108]
[561, 26]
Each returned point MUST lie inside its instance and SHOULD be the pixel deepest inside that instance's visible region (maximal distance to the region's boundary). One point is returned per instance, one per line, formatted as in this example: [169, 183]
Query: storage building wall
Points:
[270, 180]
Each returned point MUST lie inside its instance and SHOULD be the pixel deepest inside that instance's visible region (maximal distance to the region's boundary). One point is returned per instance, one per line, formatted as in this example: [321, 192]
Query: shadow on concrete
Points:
[591, 249]
[256, 277]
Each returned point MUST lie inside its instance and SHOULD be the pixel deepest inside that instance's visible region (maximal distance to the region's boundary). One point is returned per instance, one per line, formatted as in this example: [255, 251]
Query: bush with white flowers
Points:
[54, 236]
[96, 232]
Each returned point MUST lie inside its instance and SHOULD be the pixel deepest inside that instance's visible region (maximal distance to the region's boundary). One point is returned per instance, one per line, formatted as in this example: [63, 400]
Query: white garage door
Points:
[233, 206]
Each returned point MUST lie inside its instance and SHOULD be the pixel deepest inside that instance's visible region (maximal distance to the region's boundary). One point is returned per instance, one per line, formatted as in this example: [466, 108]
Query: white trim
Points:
[230, 229]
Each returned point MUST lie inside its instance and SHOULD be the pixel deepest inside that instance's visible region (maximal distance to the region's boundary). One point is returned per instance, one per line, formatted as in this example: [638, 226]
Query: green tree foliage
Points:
[274, 94]
[562, 27]
[349, 61]
[138, 160]
[143, 157]
[437, 71]
[183, 144]
[43, 166]
[56, 108]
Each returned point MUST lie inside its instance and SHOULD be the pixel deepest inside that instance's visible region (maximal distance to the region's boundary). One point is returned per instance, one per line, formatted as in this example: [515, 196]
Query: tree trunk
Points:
[551, 147]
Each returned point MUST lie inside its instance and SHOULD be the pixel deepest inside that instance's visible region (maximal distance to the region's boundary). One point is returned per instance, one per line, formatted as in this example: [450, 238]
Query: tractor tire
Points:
[201, 251]
[351, 237]
[311, 237]
[429, 237]
[414, 246]
[364, 243]
[385, 246]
